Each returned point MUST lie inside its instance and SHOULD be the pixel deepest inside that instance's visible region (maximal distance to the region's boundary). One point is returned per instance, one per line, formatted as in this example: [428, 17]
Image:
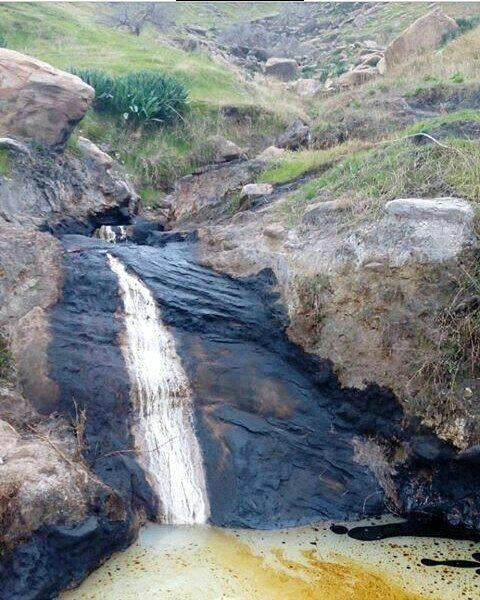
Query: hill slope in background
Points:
[324, 38]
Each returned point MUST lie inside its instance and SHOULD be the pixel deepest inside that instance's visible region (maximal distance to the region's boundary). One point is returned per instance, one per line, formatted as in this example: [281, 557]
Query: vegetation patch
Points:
[4, 162]
[448, 366]
[466, 115]
[150, 197]
[5, 361]
[400, 169]
[138, 97]
[157, 156]
[294, 165]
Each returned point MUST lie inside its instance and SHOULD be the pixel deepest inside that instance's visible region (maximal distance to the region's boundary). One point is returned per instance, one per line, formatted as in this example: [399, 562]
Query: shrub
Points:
[3, 40]
[149, 96]
[102, 83]
[139, 97]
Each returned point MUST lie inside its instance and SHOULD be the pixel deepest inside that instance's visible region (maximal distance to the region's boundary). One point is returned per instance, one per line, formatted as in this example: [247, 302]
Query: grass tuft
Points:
[293, 165]
[5, 361]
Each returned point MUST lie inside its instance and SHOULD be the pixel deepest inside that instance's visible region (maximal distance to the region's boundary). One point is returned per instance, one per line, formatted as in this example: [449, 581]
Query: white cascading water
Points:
[111, 234]
[164, 433]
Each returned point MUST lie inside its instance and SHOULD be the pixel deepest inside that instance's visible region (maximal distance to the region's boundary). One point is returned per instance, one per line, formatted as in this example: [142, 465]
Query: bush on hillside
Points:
[102, 83]
[139, 97]
[464, 24]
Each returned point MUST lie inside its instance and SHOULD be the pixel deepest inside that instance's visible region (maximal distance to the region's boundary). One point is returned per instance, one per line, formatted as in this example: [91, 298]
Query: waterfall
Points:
[164, 432]
[112, 234]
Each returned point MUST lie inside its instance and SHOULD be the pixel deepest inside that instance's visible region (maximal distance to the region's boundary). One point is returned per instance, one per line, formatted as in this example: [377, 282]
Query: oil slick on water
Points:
[308, 563]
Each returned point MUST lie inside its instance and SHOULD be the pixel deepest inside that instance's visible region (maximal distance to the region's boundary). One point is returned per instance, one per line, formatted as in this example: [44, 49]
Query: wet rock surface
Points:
[56, 192]
[283, 443]
[275, 452]
[59, 556]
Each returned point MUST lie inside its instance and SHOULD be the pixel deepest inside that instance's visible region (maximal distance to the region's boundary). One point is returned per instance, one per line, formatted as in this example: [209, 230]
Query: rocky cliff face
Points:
[363, 294]
[57, 518]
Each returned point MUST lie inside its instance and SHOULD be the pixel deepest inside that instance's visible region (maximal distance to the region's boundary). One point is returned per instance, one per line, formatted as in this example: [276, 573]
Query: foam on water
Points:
[163, 428]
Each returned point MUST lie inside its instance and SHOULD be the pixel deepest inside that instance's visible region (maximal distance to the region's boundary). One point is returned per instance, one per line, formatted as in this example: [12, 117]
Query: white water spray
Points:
[164, 433]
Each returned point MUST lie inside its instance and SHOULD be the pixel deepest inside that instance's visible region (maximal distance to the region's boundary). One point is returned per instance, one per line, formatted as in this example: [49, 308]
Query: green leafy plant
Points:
[139, 96]
[101, 82]
[457, 77]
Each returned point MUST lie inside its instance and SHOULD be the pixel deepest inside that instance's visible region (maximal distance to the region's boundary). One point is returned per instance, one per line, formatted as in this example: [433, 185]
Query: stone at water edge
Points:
[271, 153]
[39, 102]
[256, 190]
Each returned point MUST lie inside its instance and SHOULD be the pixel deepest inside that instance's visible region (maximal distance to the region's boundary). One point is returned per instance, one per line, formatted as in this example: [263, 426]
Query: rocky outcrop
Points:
[64, 191]
[364, 297]
[284, 69]
[58, 519]
[425, 33]
[203, 195]
[39, 102]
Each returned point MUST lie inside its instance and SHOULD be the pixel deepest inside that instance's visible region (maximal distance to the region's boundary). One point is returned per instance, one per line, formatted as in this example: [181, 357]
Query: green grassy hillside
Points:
[70, 35]
[67, 35]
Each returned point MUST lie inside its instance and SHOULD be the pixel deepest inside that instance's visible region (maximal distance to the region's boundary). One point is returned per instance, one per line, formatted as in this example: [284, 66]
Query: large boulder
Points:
[39, 102]
[206, 195]
[285, 69]
[425, 33]
[79, 191]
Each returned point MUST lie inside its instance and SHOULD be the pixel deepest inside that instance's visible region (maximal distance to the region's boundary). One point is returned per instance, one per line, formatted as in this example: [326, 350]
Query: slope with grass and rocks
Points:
[411, 133]
[220, 98]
